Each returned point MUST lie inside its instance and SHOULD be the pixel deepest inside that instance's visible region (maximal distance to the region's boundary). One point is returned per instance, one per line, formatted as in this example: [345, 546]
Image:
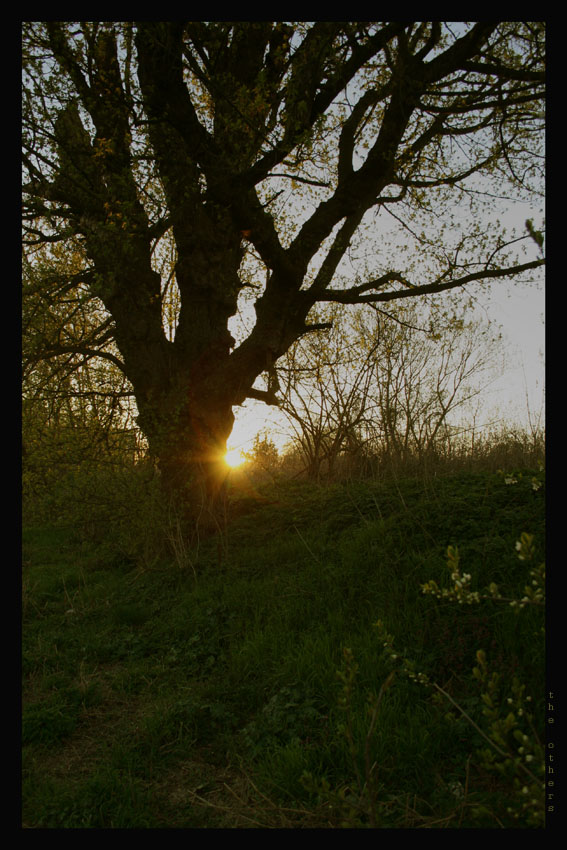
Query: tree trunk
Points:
[187, 433]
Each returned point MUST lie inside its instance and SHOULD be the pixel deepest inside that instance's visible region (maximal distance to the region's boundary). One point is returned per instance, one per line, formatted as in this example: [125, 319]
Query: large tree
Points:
[178, 158]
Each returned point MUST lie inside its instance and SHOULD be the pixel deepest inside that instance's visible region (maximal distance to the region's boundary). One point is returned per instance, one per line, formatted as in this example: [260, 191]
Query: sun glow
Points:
[234, 457]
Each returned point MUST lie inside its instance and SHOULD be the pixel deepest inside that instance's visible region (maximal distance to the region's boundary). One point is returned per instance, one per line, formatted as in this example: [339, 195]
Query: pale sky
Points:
[522, 385]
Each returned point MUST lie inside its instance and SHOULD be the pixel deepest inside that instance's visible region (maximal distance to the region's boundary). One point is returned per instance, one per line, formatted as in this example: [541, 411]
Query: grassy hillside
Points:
[246, 684]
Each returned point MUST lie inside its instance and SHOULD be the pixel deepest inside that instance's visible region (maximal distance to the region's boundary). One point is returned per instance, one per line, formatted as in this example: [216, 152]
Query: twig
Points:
[315, 558]
[479, 730]
[223, 808]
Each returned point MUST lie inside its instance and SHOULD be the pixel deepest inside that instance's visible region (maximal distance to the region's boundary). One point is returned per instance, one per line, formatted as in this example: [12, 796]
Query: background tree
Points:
[78, 406]
[424, 377]
[170, 155]
[384, 385]
[325, 381]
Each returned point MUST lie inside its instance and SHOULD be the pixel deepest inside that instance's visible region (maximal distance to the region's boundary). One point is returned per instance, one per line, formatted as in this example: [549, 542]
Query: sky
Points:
[520, 390]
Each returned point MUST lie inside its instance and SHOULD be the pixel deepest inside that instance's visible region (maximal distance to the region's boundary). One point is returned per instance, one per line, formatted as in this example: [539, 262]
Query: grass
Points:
[208, 697]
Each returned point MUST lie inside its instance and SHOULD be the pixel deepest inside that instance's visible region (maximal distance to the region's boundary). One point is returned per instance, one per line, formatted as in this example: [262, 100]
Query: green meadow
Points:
[290, 671]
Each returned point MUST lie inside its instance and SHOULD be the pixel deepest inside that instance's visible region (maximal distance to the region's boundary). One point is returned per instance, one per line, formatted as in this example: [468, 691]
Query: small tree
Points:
[382, 383]
[264, 455]
[325, 384]
[427, 369]
[78, 408]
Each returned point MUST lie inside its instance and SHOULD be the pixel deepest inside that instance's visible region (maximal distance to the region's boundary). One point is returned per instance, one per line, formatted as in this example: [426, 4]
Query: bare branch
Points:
[88, 353]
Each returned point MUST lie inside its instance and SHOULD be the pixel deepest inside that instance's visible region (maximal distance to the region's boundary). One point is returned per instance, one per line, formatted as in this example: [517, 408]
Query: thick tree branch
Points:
[497, 69]
[267, 396]
[356, 294]
[160, 69]
[321, 100]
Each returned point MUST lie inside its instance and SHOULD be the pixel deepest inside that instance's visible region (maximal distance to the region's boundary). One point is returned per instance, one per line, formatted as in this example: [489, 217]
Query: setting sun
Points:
[234, 457]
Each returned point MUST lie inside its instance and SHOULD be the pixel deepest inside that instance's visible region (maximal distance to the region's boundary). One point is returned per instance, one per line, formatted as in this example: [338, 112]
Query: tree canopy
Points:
[179, 173]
